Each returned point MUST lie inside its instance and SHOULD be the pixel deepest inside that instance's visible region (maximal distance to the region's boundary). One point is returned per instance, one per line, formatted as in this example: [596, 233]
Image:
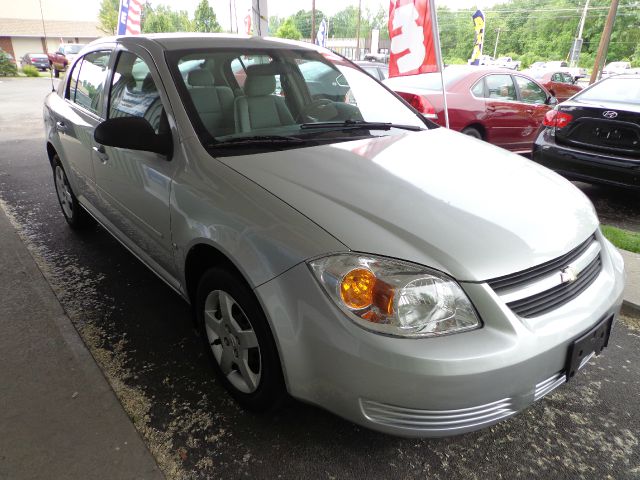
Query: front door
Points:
[534, 99]
[505, 116]
[135, 186]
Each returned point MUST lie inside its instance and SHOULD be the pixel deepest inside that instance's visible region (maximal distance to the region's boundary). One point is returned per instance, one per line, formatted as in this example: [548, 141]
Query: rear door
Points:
[506, 118]
[134, 186]
[75, 121]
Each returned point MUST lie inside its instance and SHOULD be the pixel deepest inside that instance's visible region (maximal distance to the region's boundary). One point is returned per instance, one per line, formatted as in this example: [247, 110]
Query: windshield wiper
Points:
[259, 140]
[358, 125]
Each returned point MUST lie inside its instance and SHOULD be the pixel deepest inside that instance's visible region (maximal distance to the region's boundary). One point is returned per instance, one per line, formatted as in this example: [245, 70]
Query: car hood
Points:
[436, 197]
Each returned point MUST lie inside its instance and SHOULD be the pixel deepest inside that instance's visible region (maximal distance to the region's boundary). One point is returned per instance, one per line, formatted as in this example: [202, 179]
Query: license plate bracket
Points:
[587, 345]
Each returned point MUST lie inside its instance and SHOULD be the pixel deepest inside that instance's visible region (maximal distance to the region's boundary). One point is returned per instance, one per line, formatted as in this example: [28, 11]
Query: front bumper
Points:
[434, 386]
[585, 165]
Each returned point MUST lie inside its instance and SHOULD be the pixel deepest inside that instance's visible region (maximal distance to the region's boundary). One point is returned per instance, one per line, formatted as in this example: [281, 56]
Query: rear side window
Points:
[478, 88]
[91, 80]
[500, 87]
[134, 92]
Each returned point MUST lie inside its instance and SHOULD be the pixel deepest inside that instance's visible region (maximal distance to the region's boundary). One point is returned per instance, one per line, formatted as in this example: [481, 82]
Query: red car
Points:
[500, 106]
[560, 84]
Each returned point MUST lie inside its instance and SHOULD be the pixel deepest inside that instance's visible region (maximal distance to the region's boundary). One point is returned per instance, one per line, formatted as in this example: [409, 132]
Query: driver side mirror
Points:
[134, 133]
[552, 100]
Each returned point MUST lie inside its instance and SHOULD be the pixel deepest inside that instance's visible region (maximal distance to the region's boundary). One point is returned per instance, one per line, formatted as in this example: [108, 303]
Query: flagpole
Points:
[436, 39]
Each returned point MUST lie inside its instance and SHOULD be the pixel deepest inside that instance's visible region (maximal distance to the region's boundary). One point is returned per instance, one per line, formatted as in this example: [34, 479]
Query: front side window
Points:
[500, 87]
[91, 80]
[530, 92]
[133, 91]
[296, 95]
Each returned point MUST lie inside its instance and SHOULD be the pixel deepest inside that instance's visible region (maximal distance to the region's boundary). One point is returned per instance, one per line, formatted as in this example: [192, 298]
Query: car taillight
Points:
[421, 104]
[557, 119]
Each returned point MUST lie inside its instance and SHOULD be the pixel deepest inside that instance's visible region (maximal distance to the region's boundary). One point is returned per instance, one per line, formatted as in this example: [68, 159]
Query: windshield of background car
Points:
[282, 93]
[72, 49]
[616, 89]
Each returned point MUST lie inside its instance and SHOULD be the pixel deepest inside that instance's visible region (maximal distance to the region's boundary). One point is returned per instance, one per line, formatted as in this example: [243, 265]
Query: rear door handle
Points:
[101, 153]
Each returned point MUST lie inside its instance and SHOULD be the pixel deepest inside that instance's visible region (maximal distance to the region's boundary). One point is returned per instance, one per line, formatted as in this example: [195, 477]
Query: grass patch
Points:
[623, 239]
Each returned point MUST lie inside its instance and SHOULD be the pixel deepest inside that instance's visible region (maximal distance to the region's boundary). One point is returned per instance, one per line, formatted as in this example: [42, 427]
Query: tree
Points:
[108, 16]
[288, 30]
[205, 18]
[164, 19]
[302, 21]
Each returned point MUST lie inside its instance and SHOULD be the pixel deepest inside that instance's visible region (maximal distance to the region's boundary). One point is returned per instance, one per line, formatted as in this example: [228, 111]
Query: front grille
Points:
[541, 289]
[532, 274]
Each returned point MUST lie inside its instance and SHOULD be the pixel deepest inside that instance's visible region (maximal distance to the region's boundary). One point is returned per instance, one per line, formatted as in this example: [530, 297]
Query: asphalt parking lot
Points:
[142, 337]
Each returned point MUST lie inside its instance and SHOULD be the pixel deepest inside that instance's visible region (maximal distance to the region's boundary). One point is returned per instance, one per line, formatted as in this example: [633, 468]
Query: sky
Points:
[88, 9]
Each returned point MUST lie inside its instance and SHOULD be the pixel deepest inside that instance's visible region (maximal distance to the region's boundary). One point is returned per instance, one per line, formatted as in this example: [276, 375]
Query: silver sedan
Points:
[336, 246]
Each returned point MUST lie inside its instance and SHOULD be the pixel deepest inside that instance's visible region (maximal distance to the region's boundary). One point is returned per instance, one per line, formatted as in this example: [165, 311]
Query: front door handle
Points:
[491, 108]
[101, 153]
[61, 126]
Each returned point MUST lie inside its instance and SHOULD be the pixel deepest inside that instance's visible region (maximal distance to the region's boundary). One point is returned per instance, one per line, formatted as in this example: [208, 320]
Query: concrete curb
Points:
[60, 418]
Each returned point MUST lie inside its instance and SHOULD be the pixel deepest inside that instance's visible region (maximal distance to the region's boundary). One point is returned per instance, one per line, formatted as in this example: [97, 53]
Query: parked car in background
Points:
[485, 60]
[379, 71]
[619, 68]
[38, 60]
[507, 62]
[536, 65]
[354, 256]
[63, 57]
[560, 84]
[377, 57]
[496, 105]
[595, 136]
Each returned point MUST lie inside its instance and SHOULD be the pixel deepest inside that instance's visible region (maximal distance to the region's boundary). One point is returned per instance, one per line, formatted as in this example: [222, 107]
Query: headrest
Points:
[200, 78]
[258, 85]
[273, 68]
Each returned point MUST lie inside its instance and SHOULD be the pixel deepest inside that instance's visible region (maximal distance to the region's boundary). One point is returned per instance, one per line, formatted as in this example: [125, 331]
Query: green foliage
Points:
[543, 30]
[7, 67]
[454, 61]
[205, 18]
[30, 71]
[108, 16]
[274, 24]
[623, 239]
[302, 21]
[163, 19]
[289, 30]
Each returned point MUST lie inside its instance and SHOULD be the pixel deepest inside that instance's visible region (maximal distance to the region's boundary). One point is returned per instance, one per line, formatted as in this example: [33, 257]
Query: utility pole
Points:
[313, 21]
[604, 41]
[495, 49]
[577, 42]
[358, 30]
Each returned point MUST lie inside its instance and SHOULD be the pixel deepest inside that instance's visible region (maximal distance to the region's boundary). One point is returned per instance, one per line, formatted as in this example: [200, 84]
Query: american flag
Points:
[129, 18]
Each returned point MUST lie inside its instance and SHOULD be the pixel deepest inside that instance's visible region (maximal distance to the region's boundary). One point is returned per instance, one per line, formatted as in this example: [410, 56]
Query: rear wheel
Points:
[472, 132]
[74, 214]
[238, 341]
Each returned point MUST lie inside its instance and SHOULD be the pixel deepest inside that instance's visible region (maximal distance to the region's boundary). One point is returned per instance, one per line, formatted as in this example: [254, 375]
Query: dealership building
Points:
[22, 29]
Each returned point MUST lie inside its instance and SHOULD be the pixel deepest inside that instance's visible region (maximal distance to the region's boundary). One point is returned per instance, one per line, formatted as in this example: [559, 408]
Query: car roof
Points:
[371, 64]
[185, 41]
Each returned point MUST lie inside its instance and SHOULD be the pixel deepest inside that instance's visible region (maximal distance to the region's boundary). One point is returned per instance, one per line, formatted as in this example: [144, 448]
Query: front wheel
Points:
[238, 341]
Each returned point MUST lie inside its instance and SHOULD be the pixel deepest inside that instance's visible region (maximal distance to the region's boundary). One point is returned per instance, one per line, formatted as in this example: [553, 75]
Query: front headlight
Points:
[395, 297]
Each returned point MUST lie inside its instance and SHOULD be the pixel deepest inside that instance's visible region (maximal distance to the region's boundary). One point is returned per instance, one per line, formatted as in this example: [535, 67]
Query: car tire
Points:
[238, 341]
[473, 132]
[75, 215]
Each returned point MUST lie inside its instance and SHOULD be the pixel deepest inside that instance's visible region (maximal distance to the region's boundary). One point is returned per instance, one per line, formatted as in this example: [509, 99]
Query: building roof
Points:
[19, 27]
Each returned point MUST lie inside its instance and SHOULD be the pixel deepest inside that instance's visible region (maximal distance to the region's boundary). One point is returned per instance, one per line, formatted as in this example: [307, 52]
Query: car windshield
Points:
[72, 49]
[616, 89]
[281, 96]
[430, 81]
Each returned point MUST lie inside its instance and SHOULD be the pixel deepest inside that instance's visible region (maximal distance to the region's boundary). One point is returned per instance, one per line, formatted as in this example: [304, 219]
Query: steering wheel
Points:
[318, 110]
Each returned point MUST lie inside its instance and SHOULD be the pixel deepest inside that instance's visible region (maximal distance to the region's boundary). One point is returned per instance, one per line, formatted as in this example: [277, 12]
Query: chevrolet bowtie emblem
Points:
[568, 275]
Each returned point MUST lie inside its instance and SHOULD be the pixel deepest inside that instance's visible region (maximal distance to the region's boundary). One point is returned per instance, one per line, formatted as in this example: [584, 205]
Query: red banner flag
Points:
[412, 33]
